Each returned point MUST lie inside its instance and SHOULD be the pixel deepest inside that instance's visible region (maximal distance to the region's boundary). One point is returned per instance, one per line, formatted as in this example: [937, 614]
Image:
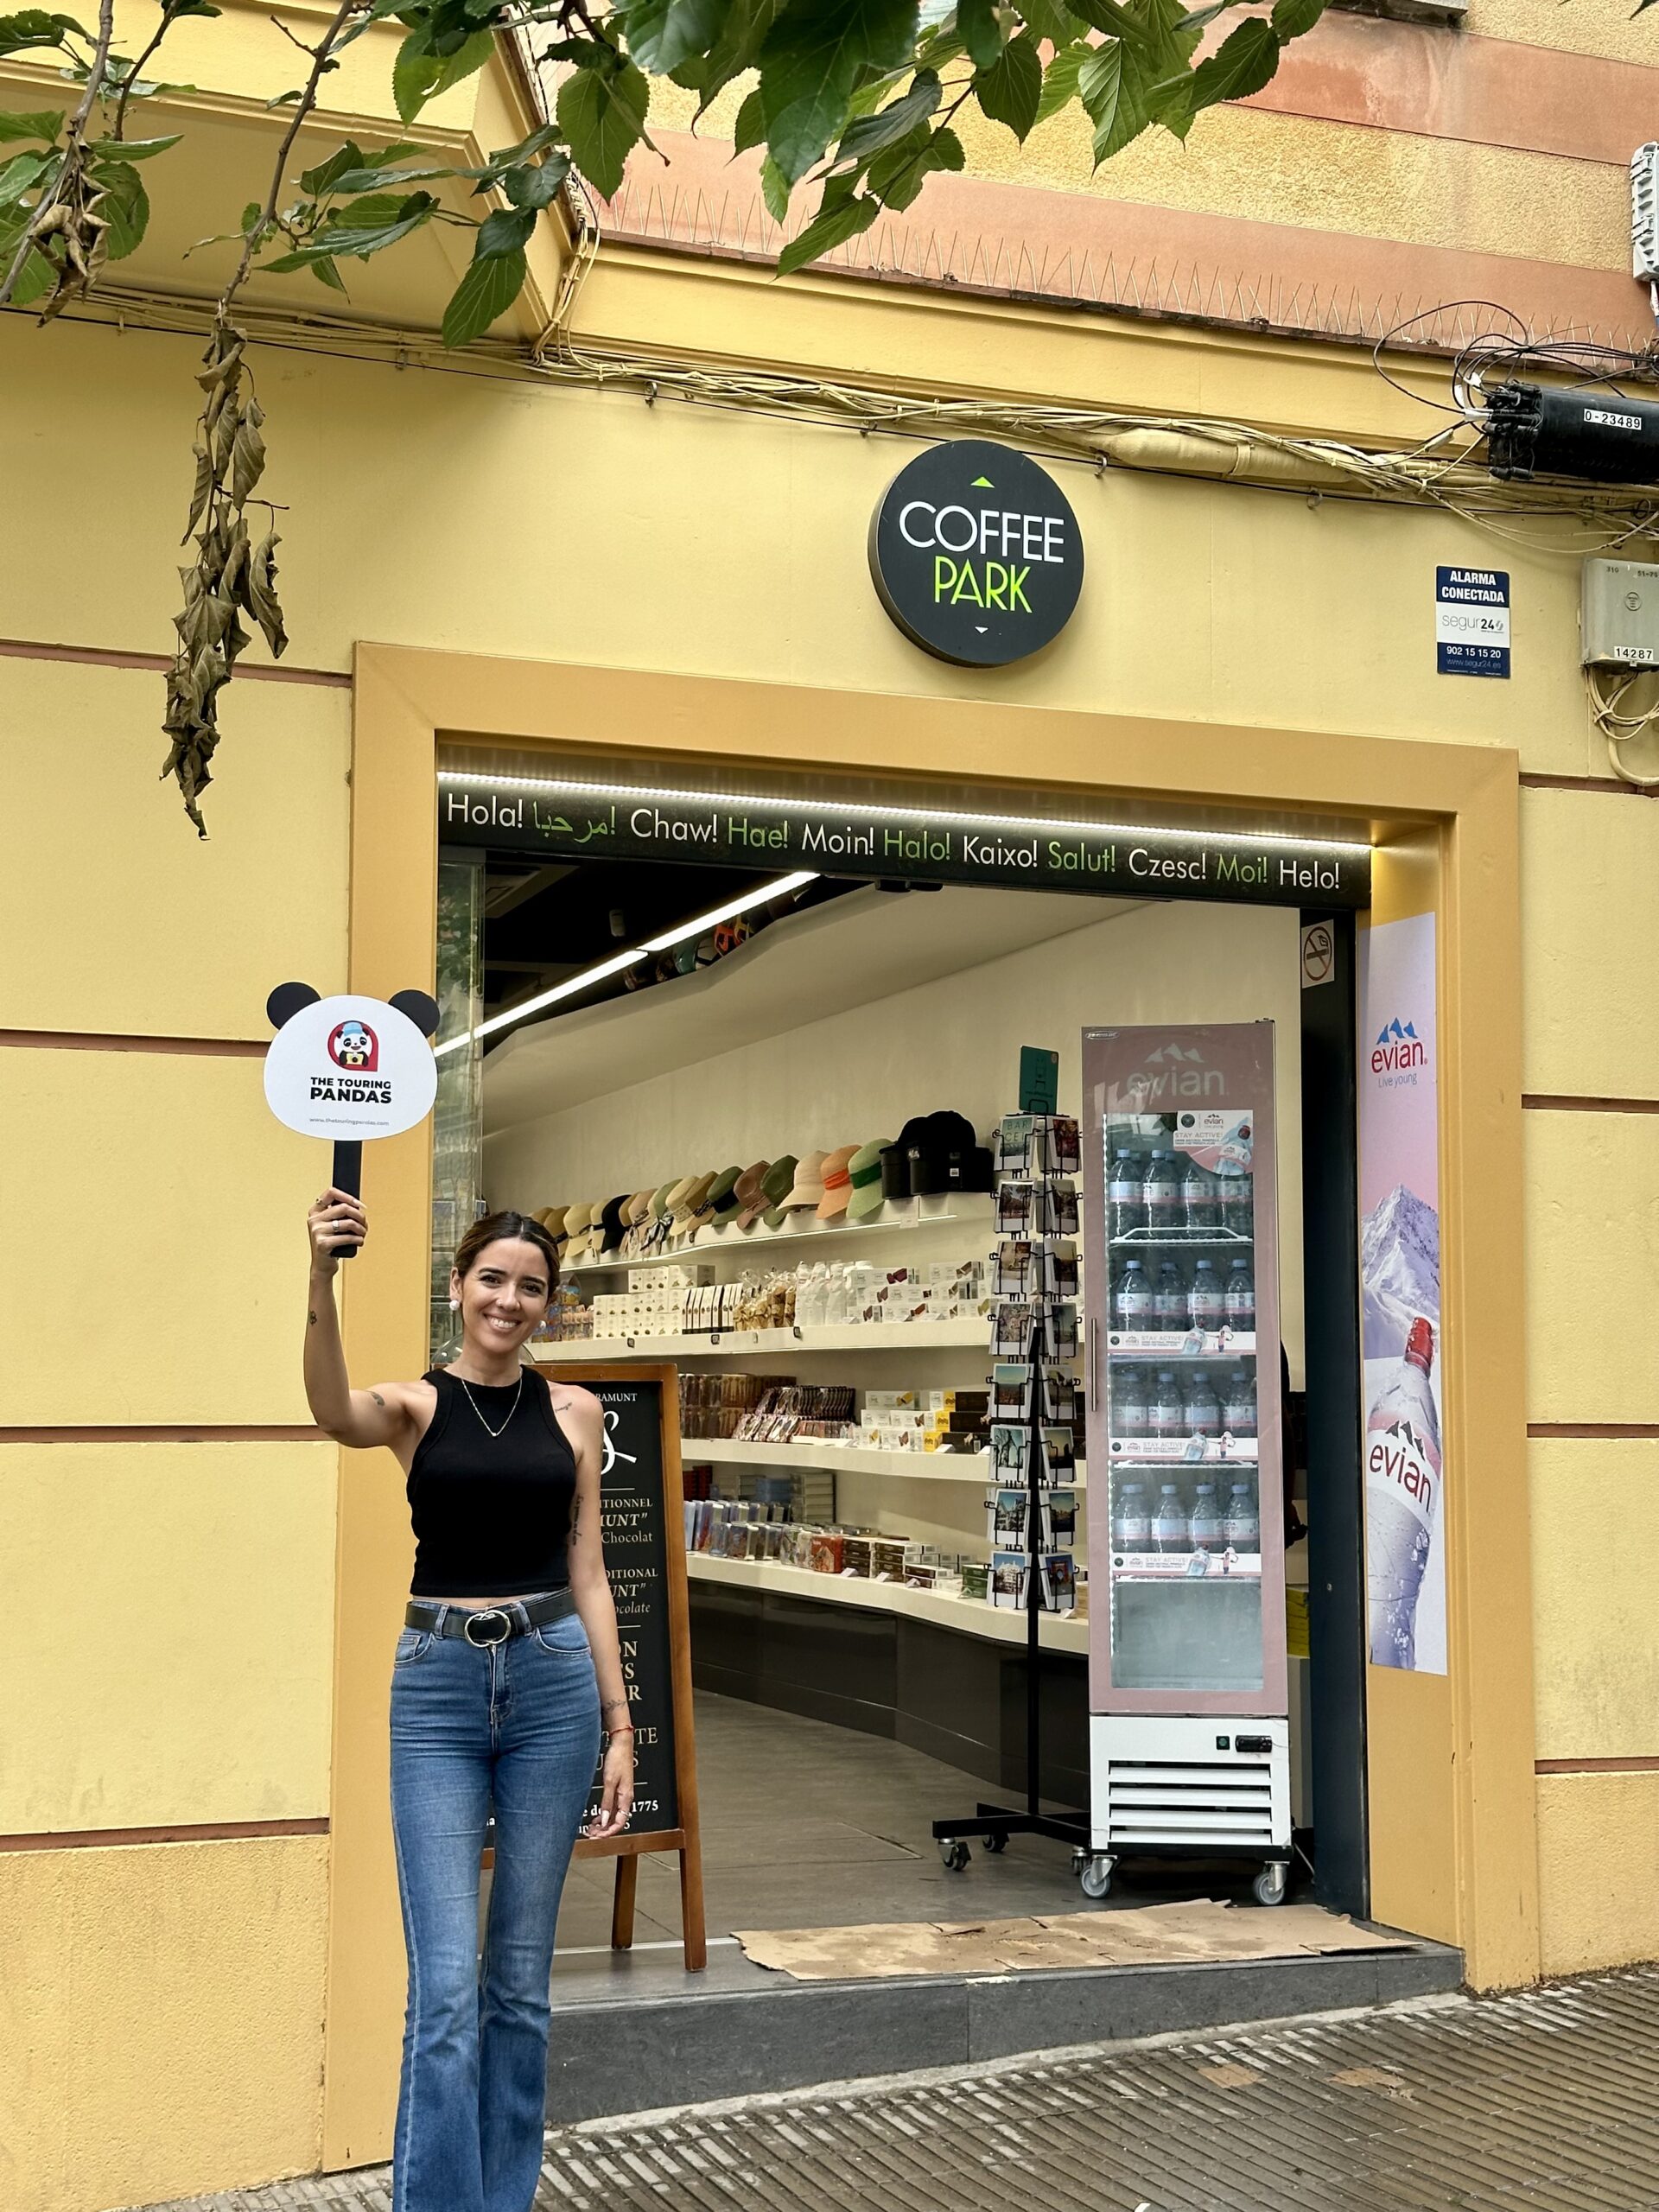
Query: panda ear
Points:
[421, 1007]
[288, 1000]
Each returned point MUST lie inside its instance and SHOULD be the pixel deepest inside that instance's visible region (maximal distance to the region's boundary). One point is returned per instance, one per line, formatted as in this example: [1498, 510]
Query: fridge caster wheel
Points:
[1269, 1883]
[1095, 1876]
[954, 1851]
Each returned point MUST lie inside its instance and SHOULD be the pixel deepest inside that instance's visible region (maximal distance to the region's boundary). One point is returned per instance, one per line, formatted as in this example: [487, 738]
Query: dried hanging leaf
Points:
[248, 455]
[262, 602]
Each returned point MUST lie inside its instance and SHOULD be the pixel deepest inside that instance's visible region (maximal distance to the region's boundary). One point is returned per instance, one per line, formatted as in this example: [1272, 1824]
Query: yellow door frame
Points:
[1453, 1841]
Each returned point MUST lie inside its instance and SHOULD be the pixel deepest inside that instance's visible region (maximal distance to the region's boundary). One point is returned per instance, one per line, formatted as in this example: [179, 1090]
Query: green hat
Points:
[776, 1185]
[722, 1193]
[865, 1168]
[660, 1202]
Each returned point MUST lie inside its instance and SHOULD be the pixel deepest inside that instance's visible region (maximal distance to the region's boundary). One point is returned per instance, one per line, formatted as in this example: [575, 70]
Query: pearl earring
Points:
[455, 1305]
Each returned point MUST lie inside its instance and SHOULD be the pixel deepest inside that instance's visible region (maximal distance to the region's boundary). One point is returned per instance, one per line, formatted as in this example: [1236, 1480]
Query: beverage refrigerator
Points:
[1189, 1732]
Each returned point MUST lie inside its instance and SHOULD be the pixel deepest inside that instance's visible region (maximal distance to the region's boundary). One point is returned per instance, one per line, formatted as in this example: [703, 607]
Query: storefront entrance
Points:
[1386, 1801]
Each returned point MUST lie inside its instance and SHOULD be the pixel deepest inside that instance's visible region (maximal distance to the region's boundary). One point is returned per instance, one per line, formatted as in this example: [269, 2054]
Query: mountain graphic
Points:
[1397, 1030]
[1399, 1266]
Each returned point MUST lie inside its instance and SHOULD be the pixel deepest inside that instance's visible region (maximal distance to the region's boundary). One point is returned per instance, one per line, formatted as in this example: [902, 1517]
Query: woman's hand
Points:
[616, 1802]
[337, 1224]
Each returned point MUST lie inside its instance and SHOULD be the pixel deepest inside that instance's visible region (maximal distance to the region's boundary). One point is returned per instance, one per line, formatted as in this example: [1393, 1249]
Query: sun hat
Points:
[751, 1197]
[611, 1221]
[678, 1194]
[837, 1183]
[808, 1187]
[775, 1186]
[864, 1168]
[576, 1218]
[659, 1200]
[722, 1193]
[552, 1219]
[692, 1202]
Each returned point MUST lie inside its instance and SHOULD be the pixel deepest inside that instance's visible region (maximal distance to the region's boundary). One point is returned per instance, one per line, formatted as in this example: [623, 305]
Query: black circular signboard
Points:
[976, 554]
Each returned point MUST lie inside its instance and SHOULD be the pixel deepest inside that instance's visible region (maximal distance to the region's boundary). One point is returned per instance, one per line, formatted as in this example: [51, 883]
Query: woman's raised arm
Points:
[362, 1418]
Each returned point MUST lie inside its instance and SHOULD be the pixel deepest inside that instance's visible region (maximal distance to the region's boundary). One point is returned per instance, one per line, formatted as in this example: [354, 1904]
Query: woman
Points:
[506, 1680]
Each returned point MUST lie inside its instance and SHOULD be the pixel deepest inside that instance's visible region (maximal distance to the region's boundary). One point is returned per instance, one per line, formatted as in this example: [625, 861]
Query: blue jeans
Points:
[515, 1727]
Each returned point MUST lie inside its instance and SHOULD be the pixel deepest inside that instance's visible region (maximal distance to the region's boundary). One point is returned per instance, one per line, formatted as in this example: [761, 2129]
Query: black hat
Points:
[948, 1157]
[896, 1159]
[611, 1221]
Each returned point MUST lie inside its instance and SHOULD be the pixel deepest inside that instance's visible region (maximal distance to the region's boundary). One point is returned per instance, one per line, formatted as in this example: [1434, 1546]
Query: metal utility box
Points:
[1619, 621]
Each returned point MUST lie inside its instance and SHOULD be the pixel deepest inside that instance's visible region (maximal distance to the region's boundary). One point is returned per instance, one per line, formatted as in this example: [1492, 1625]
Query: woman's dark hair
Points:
[522, 1228]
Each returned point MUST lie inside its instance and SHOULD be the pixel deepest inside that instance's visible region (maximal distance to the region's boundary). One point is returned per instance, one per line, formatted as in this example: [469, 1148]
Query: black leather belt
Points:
[485, 1626]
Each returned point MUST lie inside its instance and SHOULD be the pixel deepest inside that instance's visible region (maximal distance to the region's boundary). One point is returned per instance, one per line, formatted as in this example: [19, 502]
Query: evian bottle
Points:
[1402, 1489]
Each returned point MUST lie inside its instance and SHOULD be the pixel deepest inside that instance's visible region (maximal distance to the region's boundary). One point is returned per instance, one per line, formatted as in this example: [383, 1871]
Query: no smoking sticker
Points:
[1319, 955]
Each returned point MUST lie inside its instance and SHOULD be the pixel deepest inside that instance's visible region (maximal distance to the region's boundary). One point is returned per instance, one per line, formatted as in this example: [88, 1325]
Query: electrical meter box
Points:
[1620, 617]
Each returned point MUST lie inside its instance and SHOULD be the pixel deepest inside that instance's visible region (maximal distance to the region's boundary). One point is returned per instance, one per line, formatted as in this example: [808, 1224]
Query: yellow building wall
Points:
[508, 518]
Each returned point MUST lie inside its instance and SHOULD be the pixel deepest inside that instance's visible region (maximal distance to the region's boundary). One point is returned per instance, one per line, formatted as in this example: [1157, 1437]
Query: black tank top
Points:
[492, 1514]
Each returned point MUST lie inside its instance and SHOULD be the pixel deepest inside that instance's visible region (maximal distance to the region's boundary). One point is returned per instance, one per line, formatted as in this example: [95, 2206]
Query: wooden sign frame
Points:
[686, 1838]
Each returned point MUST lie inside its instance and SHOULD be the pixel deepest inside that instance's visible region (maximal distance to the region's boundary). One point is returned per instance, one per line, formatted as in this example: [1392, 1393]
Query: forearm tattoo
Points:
[378, 1400]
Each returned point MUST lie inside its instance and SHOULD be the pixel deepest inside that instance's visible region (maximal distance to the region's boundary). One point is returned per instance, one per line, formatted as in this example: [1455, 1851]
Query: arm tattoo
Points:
[576, 1521]
[311, 1320]
[612, 1704]
[378, 1400]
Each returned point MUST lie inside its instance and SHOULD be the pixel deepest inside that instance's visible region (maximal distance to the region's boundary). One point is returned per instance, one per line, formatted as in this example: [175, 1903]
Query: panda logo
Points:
[353, 1045]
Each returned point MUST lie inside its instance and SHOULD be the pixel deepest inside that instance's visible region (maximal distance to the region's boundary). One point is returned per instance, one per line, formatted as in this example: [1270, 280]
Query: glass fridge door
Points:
[1186, 1562]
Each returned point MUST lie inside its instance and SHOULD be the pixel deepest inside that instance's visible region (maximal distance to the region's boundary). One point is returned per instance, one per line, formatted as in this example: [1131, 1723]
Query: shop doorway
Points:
[817, 1019]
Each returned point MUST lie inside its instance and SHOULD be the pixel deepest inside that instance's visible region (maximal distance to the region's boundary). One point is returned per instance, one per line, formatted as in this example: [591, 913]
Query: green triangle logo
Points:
[984, 484]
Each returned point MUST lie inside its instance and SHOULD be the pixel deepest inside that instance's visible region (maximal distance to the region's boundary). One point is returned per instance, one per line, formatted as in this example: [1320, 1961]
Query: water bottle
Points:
[1242, 1527]
[1237, 1192]
[1240, 1297]
[1132, 1297]
[1131, 1403]
[1204, 1529]
[1206, 1302]
[1131, 1521]
[1161, 1193]
[1125, 1205]
[1202, 1409]
[1169, 1300]
[1168, 1414]
[1170, 1526]
[1200, 1203]
[1238, 1405]
[1403, 1497]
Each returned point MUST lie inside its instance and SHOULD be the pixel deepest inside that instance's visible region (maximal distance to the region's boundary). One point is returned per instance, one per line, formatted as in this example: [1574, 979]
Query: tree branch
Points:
[71, 160]
[137, 71]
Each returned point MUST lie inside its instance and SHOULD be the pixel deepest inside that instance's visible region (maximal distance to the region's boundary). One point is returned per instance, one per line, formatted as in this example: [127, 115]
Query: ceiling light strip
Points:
[645, 793]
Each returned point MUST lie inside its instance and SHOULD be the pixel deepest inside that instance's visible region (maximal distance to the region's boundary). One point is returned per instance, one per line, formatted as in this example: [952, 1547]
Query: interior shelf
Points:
[759, 1241]
[973, 1468]
[740, 1343]
[969, 1616]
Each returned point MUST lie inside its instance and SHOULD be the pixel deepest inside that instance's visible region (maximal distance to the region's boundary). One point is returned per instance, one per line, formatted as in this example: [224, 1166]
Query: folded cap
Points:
[610, 1223]
[837, 1183]
[722, 1193]
[751, 1197]
[807, 1189]
[943, 1158]
[895, 1158]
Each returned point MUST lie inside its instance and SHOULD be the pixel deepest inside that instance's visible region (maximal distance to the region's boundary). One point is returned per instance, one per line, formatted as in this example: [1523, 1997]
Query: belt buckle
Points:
[487, 1613]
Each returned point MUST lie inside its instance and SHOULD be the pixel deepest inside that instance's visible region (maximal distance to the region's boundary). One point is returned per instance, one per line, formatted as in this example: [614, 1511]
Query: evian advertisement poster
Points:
[1400, 1273]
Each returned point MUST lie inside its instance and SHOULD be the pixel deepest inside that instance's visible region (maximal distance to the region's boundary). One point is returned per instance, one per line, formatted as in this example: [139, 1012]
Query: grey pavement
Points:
[1548, 2099]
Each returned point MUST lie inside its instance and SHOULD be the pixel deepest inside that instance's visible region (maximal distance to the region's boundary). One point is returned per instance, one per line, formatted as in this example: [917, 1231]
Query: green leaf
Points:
[505, 231]
[505, 157]
[736, 49]
[176, 10]
[350, 181]
[326, 269]
[1199, 19]
[419, 73]
[537, 186]
[828, 228]
[811, 63]
[662, 33]
[1244, 62]
[1011, 90]
[316, 182]
[871, 133]
[285, 100]
[34, 27]
[43, 123]
[130, 150]
[1060, 80]
[488, 289]
[126, 206]
[22, 173]
[897, 177]
[602, 114]
[1050, 19]
[36, 276]
[750, 127]
[1291, 18]
[774, 189]
[981, 33]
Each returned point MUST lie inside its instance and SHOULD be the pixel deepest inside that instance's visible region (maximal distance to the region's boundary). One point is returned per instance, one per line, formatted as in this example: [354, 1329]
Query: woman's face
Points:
[503, 1298]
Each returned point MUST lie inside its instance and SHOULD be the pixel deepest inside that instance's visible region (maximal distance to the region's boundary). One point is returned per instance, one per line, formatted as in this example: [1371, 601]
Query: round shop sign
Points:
[976, 554]
[350, 1067]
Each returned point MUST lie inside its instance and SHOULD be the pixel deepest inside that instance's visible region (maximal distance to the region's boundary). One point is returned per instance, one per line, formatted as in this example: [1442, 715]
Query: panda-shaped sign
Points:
[350, 1067]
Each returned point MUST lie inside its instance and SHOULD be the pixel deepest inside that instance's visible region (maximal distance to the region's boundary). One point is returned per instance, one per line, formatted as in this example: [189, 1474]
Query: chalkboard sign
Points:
[641, 1523]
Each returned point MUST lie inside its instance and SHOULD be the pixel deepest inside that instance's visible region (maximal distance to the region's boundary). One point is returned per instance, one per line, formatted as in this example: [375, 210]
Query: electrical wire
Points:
[1623, 729]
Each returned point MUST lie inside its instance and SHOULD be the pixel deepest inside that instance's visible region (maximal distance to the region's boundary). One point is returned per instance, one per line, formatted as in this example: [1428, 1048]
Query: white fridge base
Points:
[1189, 1785]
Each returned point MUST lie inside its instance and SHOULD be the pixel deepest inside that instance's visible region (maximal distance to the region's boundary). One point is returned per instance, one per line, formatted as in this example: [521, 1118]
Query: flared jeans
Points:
[512, 1729]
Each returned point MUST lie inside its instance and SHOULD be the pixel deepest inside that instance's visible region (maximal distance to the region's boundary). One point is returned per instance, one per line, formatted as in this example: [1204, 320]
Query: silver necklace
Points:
[493, 1433]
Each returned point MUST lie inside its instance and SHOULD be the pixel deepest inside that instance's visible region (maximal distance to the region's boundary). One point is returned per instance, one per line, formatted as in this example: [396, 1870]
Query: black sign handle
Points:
[348, 1177]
